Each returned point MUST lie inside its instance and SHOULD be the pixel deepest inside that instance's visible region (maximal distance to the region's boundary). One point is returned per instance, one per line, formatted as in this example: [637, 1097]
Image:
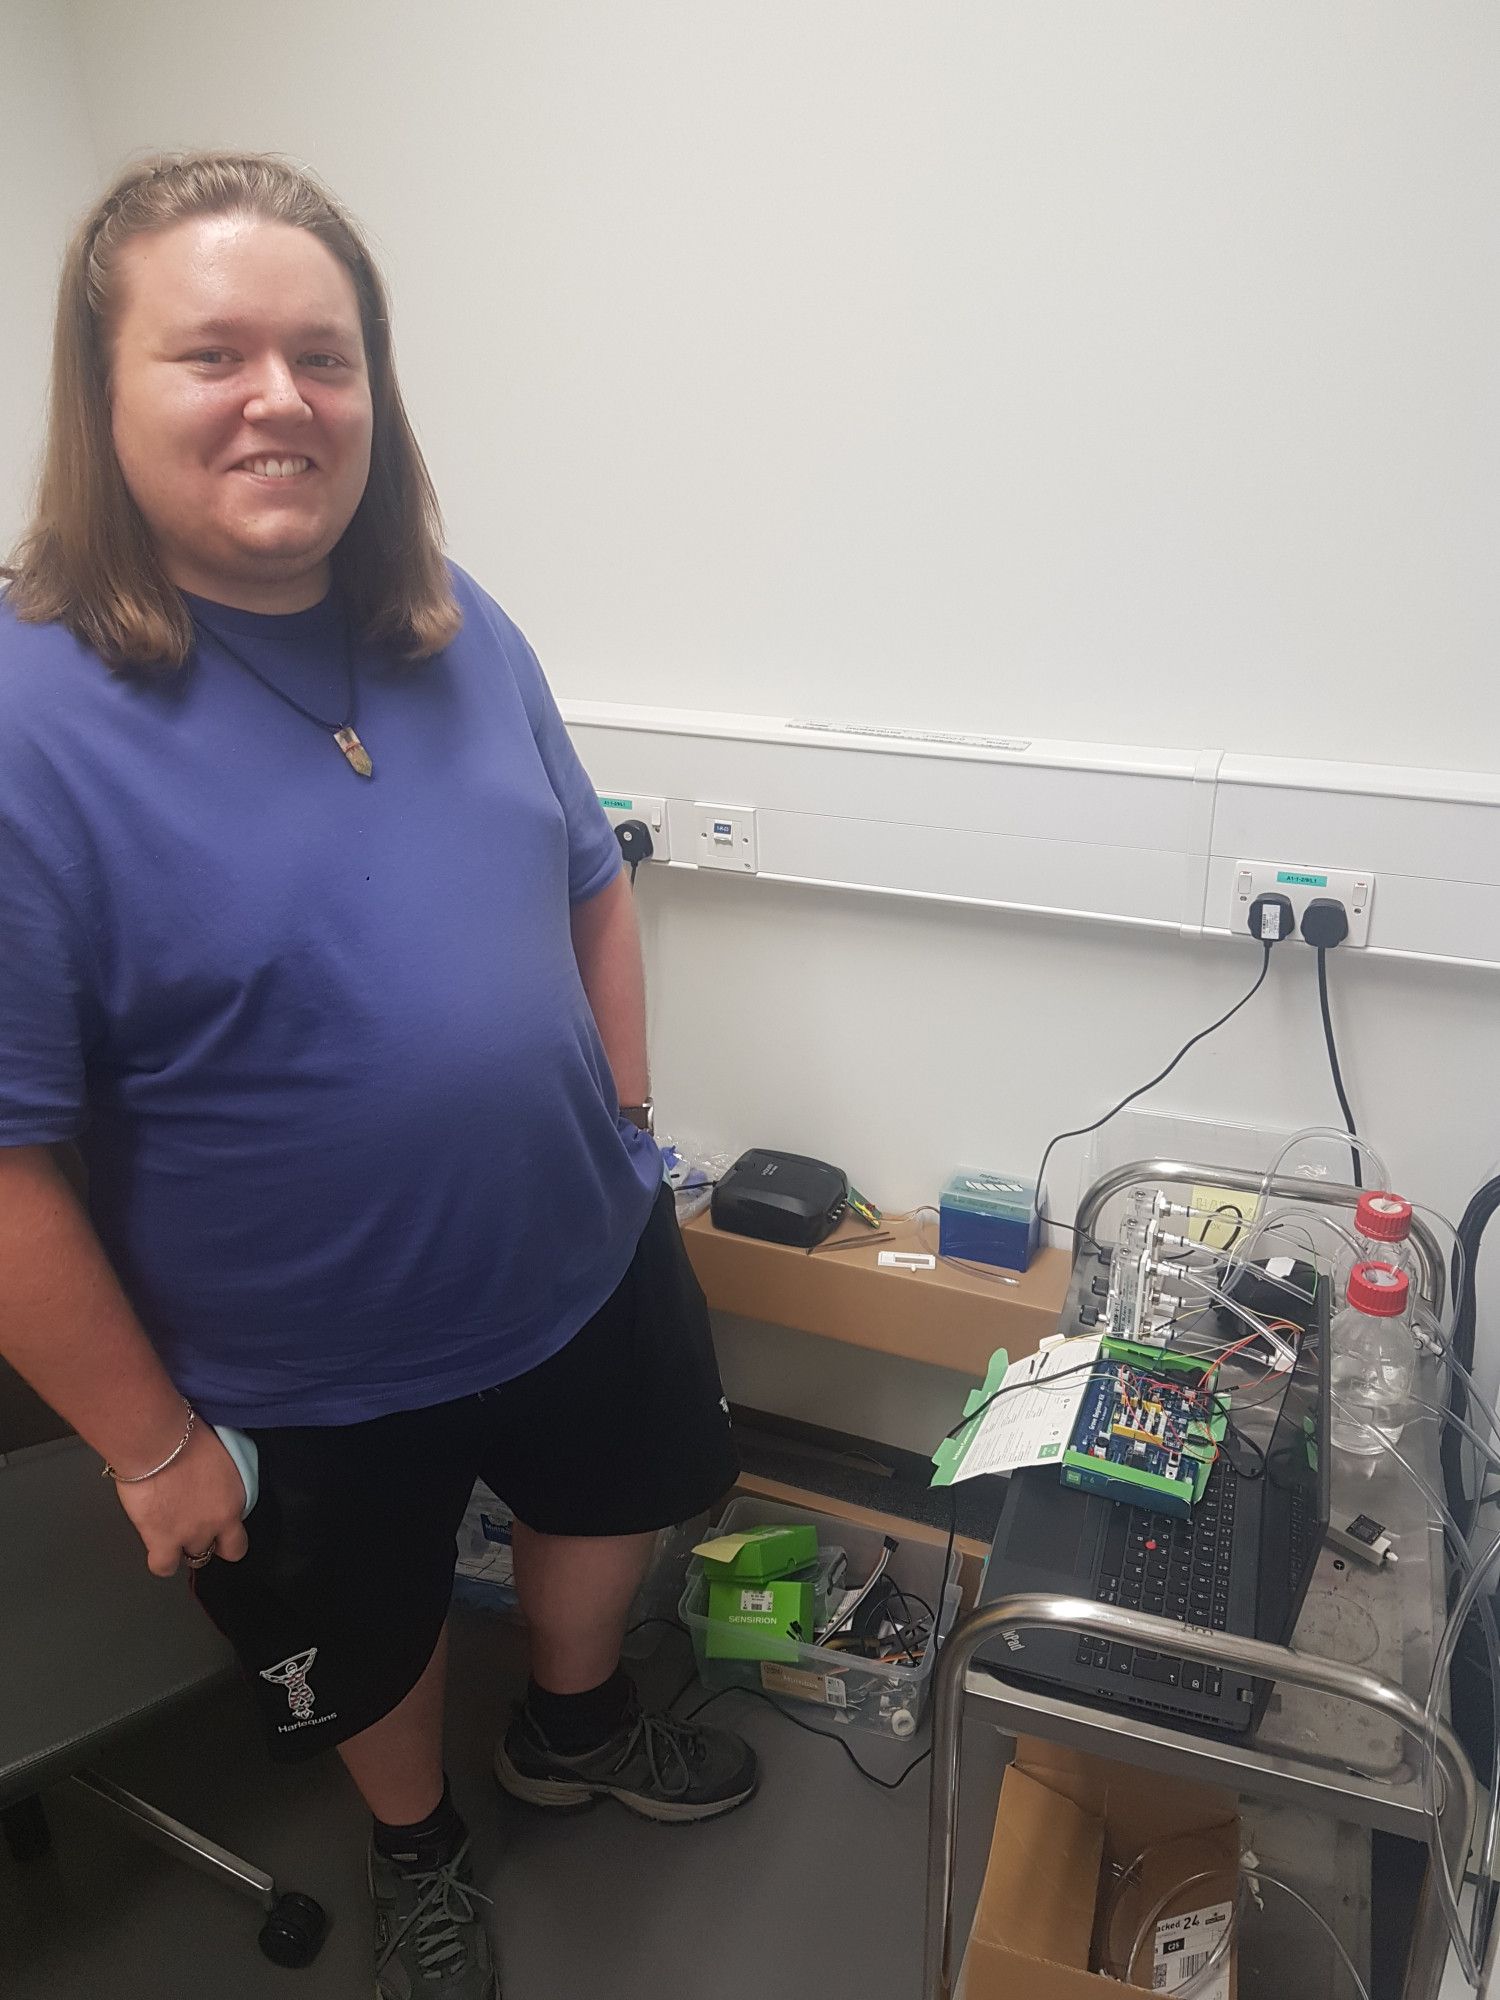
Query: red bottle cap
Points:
[1386, 1217]
[1378, 1289]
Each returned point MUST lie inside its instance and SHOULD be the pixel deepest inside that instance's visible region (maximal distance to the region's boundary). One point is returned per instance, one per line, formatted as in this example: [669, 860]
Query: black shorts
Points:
[337, 1607]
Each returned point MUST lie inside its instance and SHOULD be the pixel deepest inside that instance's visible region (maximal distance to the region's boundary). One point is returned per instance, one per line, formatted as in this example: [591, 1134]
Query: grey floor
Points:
[813, 1891]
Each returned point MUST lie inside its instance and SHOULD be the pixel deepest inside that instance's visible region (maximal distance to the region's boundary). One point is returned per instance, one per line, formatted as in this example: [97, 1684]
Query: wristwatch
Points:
[641, 1116]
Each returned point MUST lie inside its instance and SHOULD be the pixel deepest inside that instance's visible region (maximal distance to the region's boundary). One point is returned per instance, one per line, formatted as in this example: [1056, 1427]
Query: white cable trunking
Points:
[1107, 833]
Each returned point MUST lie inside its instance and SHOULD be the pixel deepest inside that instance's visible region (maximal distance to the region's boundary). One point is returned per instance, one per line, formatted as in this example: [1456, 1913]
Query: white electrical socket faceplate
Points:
[726, 838]
[1354, 889]
[620, 806]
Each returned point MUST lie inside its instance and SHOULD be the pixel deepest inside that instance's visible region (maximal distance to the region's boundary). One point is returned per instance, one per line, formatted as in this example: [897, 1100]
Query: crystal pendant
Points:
[355, 751]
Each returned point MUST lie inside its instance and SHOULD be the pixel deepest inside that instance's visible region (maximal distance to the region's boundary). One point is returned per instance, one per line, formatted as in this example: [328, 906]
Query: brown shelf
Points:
[971, 1554]
[951, 1317]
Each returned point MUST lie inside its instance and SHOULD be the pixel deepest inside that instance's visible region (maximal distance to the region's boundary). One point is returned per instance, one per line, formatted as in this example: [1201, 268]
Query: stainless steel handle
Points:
[1429, 1254]
[1030, 1610]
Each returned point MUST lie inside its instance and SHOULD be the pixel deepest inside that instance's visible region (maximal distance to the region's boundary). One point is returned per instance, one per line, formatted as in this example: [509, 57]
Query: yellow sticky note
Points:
[726, 1547]
[1222, 1218]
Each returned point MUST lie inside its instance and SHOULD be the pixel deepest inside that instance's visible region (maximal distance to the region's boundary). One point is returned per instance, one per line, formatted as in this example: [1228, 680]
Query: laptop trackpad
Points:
[1051, 1529]
[1056, 1535]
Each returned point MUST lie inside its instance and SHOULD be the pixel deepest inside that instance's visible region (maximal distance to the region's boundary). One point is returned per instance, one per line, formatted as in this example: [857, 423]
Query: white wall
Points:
[1121, 373]
[1073, 370]
[47, 172]
[904, 1040]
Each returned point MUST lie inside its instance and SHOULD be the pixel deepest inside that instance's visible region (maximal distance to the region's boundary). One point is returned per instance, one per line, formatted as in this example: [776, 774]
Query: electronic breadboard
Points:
[1147, 1431]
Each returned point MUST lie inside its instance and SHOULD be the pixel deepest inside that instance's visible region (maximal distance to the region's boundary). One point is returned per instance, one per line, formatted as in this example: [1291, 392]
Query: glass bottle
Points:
[1382, 1223]
[1374, 1354]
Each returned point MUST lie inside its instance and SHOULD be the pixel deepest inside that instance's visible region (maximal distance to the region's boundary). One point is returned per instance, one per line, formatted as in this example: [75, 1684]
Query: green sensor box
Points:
[759, 1621]
[758, 1555]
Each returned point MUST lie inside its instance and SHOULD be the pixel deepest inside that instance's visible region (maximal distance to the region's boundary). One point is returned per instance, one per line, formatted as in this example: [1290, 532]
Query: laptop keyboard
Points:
[1175, 1569]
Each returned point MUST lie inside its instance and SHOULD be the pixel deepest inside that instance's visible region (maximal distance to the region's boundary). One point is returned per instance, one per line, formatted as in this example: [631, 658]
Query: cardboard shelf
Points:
[973, 1552]
[951, 1317]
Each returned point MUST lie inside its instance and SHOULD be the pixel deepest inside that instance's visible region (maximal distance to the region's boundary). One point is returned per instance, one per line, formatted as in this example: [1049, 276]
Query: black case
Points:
[781, 1198]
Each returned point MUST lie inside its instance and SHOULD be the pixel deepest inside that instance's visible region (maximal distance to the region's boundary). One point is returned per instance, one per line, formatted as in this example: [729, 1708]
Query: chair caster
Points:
[292, 1935]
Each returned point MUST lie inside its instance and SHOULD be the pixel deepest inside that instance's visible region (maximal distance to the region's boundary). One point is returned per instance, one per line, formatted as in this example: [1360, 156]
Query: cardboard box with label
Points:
[759, 1621]
[1066, 1826]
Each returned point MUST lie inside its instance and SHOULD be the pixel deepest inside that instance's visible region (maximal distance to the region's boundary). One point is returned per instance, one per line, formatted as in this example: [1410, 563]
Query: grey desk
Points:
[90, 1643]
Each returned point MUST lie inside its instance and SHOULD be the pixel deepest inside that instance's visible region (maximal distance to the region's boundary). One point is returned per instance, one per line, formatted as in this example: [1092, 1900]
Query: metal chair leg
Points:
[295, 1925]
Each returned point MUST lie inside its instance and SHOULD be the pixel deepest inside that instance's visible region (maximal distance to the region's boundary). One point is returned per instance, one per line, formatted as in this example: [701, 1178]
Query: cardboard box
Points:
[972, 1554]
[759, 1621]
[948, 1316]
[758, 1555]
[1066, 1825]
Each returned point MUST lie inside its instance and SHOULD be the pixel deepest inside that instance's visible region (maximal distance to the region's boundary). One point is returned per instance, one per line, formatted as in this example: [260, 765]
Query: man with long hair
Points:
[314, 941]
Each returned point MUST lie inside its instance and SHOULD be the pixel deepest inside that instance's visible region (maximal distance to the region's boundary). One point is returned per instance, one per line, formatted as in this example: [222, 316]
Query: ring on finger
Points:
[203, 1560]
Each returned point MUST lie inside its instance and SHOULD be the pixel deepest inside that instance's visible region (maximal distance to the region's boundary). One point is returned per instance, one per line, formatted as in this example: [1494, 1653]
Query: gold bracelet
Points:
[135, 1478]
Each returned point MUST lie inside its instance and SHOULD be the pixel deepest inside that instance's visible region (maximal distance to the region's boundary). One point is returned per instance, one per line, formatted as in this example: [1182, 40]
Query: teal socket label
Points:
[1282, 875]
[617, 805]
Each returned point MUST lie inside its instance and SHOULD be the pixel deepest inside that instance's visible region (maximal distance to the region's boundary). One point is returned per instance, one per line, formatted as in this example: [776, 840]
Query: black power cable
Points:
[1325, 925]
[1333, 1062]
[1469, 1679]
[1465, 1291]
[1081, 1131]
[758, 1694]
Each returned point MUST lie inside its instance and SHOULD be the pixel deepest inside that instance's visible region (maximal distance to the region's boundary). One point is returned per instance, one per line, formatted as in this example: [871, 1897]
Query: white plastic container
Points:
[1374, 1355]
[886, 1698]
[484, 1573]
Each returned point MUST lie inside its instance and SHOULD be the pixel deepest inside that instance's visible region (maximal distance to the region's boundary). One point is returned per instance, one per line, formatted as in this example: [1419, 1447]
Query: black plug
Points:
[1325, 922]
[1272, 918]
[635, 841]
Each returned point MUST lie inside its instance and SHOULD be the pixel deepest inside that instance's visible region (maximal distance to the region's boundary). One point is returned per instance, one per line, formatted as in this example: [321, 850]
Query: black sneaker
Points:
[659, 1767]
[429, 1944]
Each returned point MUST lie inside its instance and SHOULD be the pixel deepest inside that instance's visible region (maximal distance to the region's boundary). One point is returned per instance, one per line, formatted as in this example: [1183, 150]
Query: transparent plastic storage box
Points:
[887, 1699]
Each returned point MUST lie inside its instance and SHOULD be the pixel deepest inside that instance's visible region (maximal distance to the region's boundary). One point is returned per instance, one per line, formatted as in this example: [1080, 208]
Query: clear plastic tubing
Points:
[1447, 1643]
[1338, 1136]
[1306, 1219]
[1220, 1952]
[1468, 1596]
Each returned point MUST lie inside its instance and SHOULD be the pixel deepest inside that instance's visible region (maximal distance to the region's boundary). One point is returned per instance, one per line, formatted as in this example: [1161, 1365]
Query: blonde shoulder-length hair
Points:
[87, 561]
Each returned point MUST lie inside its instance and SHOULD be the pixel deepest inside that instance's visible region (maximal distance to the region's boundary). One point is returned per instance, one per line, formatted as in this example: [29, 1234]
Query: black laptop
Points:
[1241, 1563]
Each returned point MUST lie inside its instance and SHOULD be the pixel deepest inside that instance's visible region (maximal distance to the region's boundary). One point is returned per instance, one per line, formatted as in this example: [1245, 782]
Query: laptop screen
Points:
[1294, 1506]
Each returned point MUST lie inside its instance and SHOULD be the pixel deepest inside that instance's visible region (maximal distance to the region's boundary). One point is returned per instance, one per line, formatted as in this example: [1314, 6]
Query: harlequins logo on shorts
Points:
[292, 1674]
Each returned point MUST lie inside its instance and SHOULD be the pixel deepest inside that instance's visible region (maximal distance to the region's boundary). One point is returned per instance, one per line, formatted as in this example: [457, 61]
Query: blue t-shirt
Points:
[352, 1138]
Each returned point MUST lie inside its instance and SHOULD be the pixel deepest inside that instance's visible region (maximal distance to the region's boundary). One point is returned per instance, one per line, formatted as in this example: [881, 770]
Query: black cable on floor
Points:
[1333, 1060]
[757, 1694]
[885, 1784]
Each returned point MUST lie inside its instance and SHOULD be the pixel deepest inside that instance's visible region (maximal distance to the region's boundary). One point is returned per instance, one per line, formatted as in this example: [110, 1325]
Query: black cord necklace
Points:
[343, 733]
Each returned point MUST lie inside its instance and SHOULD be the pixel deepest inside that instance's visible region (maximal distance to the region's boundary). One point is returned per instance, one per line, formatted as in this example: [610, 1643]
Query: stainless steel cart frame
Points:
[1348, 1683]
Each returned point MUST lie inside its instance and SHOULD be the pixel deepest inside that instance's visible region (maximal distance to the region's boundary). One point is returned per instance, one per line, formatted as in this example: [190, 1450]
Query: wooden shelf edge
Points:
[972, 1553]
[947, 1318]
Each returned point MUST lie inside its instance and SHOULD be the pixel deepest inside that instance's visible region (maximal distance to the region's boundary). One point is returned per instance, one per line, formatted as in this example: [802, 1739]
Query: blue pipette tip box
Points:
[990, 1218]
